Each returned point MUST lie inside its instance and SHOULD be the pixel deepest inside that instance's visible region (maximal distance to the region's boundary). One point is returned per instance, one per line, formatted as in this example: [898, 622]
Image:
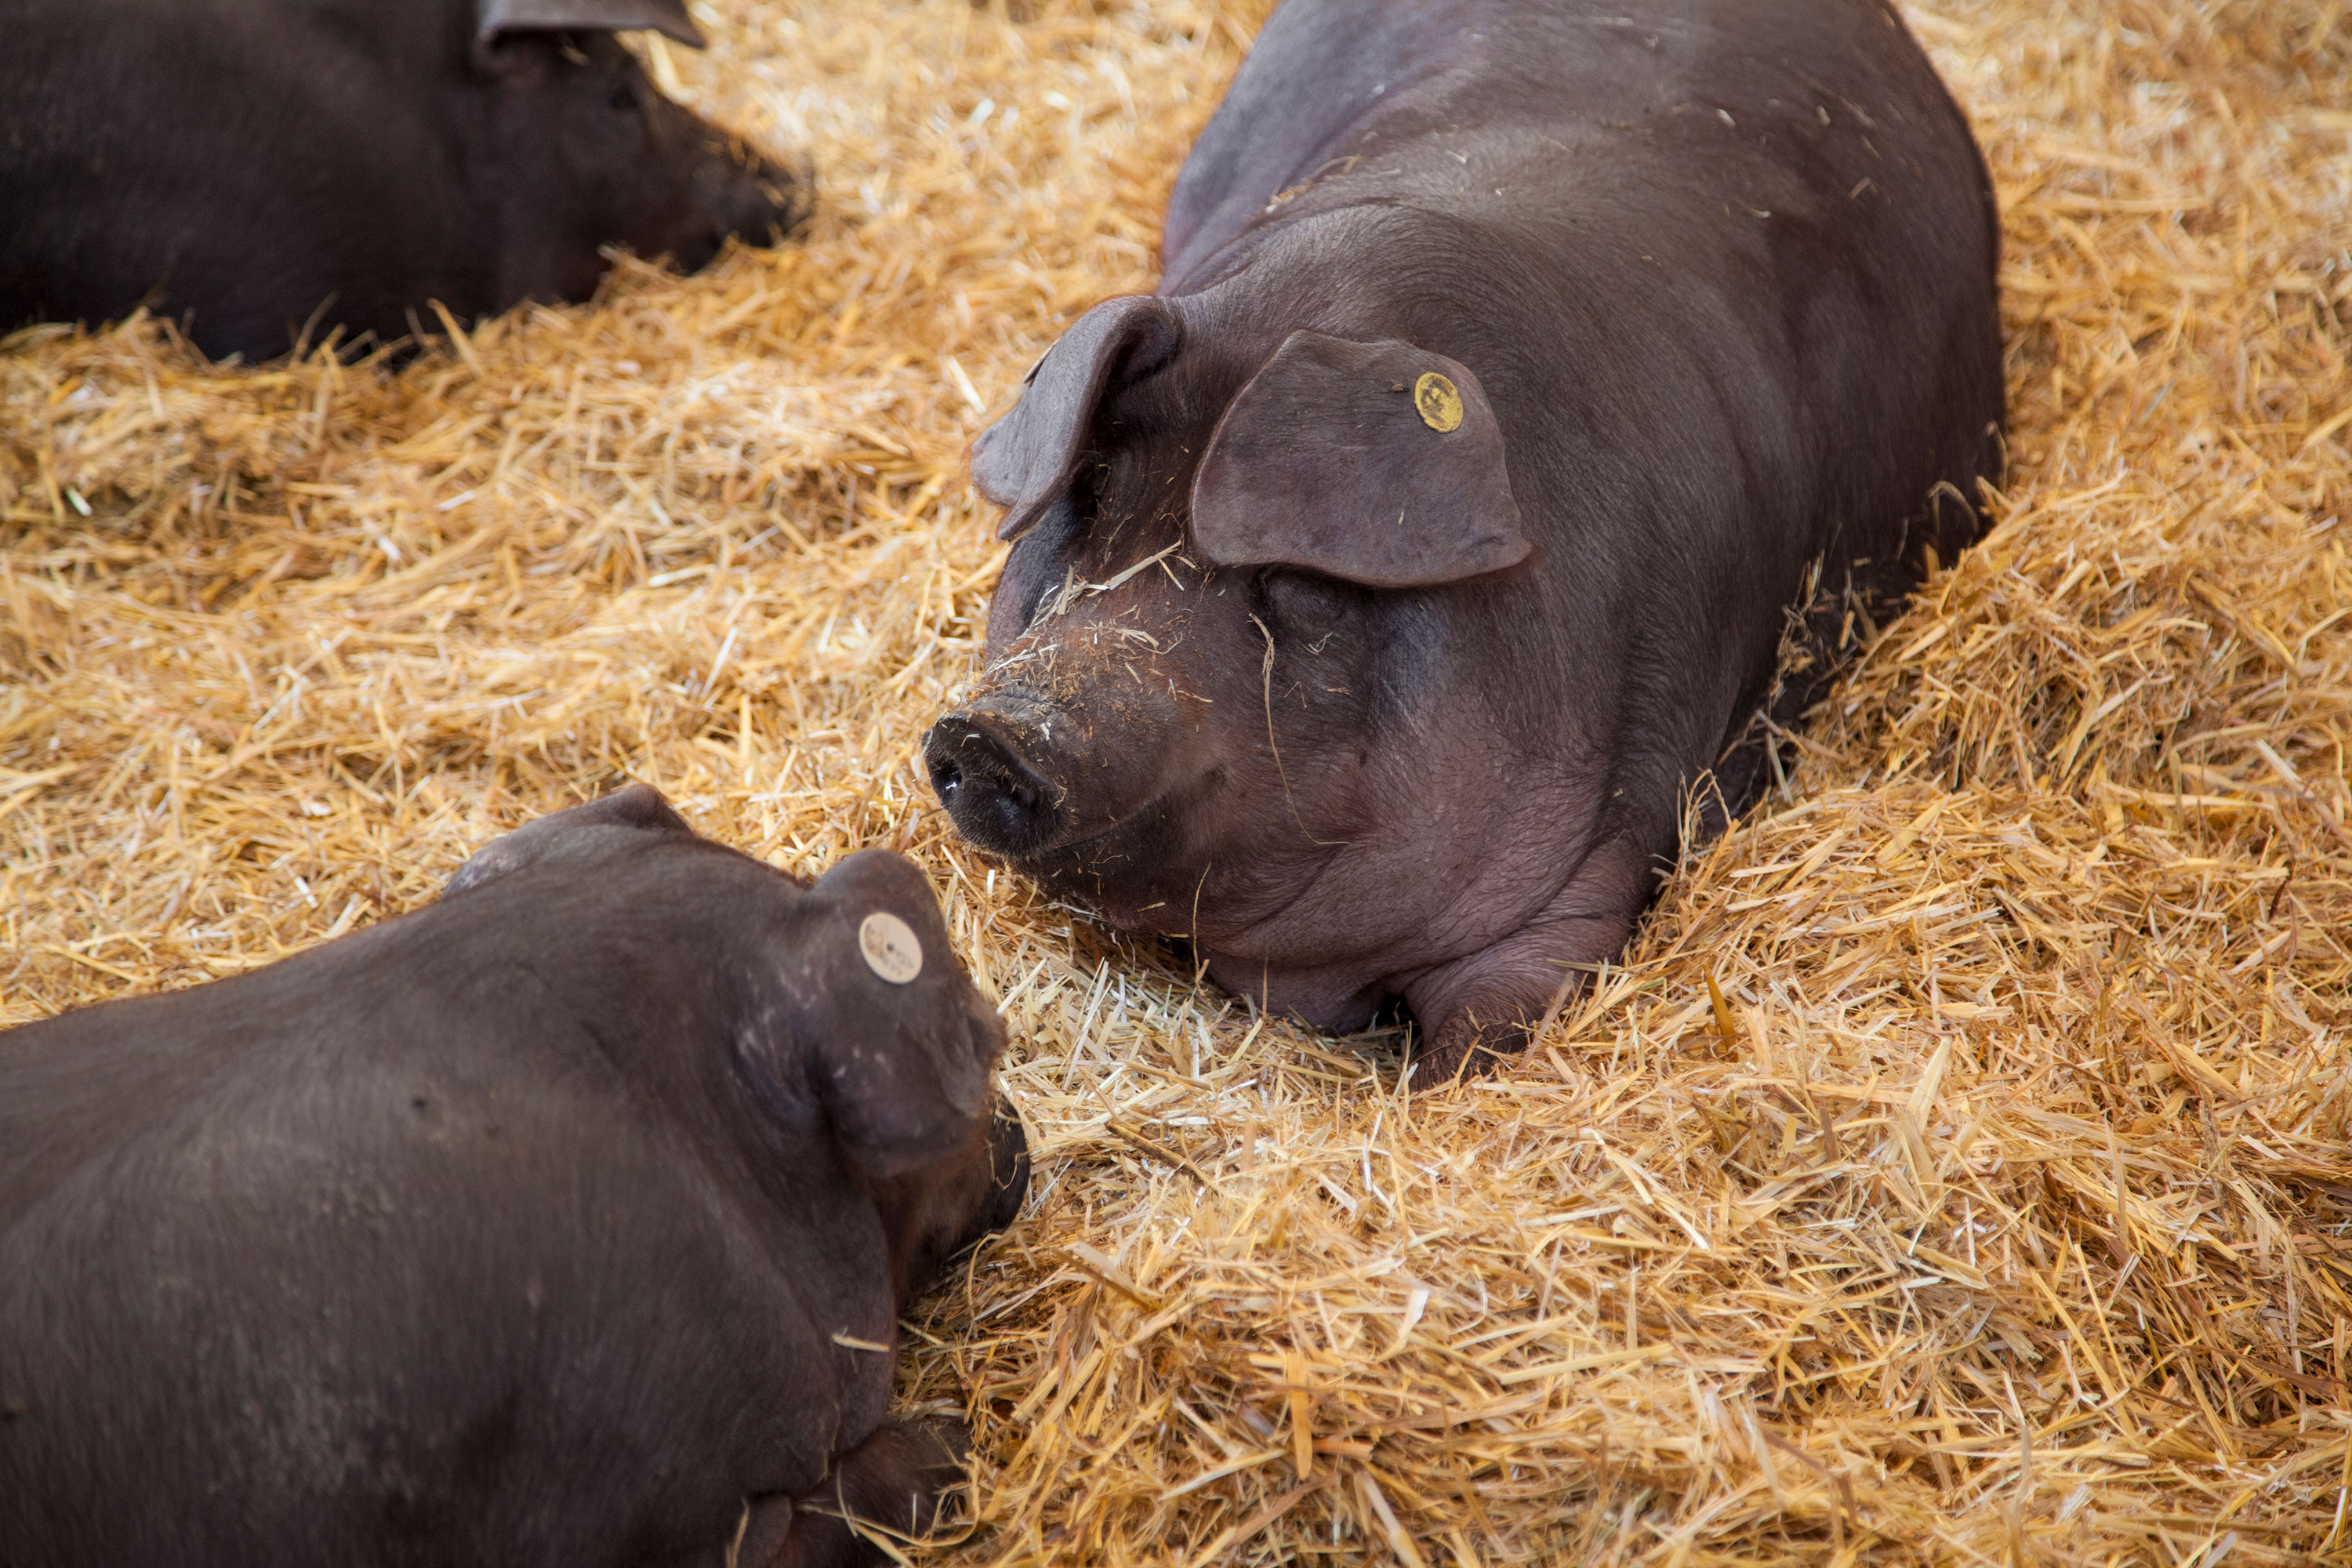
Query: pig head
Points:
[1385, 584]
[568, 1220]
[265, 171]
[582, 152]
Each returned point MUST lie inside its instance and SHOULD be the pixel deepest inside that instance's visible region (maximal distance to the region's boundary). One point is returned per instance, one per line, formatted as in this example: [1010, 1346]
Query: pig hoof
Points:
[1465, 1051]
[908, 1476]
[936, 1452]
[897, 1485]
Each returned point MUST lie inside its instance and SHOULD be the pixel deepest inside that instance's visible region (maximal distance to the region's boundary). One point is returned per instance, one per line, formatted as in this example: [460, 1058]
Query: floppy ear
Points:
[668, 17]
[579, 830]
[901, 1047]
[1377, 463]
[1026, 460]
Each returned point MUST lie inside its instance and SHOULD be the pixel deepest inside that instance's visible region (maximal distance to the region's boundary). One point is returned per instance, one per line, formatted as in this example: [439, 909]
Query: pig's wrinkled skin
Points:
[566, 1222]
[1396, 712]
[264, 169]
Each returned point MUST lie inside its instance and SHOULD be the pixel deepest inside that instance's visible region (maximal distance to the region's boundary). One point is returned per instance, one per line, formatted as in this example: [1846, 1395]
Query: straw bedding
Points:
[1954, 1171]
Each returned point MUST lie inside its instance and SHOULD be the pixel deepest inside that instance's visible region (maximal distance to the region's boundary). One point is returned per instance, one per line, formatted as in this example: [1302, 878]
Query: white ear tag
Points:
[888, 946]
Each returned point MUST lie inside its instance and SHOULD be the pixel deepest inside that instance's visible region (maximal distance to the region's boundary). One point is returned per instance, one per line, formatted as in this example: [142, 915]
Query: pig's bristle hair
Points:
[1997, 1215]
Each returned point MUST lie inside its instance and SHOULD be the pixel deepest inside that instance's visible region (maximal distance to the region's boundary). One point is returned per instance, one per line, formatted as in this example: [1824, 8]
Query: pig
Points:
[1389, 583]
[266, 171]
[566, 1221]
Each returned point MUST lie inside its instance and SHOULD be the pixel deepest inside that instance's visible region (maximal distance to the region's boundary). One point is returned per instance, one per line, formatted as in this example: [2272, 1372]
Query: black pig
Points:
[265, 168]
[566, 1222]
[1386, 581]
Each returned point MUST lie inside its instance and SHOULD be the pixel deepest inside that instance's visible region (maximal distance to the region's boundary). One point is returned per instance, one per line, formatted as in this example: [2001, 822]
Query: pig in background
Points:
[1386, 581]
[568, 1221]
[267, 171]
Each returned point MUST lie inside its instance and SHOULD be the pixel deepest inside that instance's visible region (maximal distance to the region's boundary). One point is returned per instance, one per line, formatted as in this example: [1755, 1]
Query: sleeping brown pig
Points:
[1387, 579]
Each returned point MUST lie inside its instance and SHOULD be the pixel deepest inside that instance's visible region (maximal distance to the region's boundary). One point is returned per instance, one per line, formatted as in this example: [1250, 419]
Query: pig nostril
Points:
[995, 792]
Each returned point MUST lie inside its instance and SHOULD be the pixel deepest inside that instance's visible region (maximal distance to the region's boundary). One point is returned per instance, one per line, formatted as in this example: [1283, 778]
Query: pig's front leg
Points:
[1478, 1011]
[897, 1480]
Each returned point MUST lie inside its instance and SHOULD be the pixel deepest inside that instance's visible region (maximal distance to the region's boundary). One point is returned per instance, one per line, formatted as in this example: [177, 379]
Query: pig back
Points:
[1316, 70]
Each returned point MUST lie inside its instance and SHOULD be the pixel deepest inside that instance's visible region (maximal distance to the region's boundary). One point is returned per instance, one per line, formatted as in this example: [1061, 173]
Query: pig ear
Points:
[578, 831]
[1026, 460]
[1377, 463]
[900, 1055]
[668, 17]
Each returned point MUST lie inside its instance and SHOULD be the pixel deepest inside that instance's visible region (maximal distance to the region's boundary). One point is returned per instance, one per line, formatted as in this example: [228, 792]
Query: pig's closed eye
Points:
[1043, 551]
[1304, 604]
[623, 99]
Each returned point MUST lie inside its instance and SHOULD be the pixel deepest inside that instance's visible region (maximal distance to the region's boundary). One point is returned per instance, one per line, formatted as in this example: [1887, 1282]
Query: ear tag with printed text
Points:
[1438, 403]
[889, 947]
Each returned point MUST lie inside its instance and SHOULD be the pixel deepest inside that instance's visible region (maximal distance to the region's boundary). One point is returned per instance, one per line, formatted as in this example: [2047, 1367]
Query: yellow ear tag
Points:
[889, 947]
[1438, 403]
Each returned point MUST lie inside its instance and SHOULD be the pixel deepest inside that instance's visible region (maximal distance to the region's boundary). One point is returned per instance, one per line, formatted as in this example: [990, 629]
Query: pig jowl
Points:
[1389, 583]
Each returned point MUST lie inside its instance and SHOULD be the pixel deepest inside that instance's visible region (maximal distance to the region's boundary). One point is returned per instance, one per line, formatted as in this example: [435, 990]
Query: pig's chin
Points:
[1142, 874]
[1131, 852]
[1148, 873]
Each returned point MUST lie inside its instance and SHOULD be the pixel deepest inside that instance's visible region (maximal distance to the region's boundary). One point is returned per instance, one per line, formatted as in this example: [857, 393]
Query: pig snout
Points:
[933, 1214]
[1008, 1167]
[740, 194]
[705, 186]
[989, 768]
[1057, 783]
